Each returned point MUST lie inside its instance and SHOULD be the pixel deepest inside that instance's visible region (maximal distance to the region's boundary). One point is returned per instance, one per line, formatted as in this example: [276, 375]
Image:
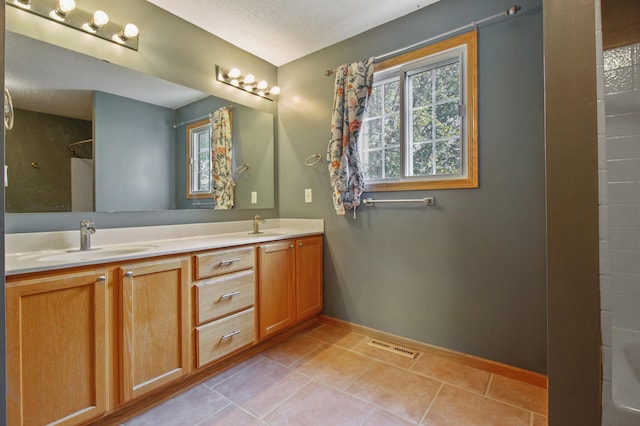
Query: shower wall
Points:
[619, 204]
[39, 170]
[622, 109]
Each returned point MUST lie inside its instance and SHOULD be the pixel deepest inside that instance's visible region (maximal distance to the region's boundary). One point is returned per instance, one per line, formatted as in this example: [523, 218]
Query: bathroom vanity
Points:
[91, 334]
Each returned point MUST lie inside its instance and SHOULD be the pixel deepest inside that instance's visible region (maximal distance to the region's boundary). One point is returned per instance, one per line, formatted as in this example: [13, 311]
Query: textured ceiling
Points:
[280, 31]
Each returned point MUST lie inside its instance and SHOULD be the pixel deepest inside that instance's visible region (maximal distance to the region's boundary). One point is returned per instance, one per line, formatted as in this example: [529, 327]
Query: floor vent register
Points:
[392, 347]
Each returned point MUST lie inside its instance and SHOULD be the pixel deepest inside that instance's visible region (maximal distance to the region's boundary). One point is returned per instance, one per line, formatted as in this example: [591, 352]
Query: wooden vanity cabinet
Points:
[290, 283]
[56, 348]
[276, 285]
[308, 277]
[155, 326]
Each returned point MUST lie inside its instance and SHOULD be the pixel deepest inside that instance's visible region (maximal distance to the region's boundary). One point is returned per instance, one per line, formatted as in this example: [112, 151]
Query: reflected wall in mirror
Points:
[136, 126]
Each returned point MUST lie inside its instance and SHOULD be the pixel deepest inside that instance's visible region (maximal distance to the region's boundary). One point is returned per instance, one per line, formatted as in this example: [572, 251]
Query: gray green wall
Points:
[469, 273]
[134, 155]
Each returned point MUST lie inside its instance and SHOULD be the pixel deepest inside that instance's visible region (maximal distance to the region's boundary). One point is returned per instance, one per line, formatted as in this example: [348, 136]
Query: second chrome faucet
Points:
[257, 220]
[86, 230]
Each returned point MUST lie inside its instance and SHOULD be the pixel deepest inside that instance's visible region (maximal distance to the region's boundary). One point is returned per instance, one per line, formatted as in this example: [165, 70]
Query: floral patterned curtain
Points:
[352, 89]
[222, 159]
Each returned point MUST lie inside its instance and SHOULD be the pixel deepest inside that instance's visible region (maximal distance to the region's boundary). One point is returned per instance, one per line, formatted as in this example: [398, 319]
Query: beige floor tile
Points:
[457, 407]
[400, 391]
[382, 355]
[231, 415]
[186, 409]
[520, 394]
[335, 366]
[450, 371]
[384, 418]
[337, 336]
[320, 405]
[224, 375]
[293, 349]
[262, 386]
[539, 420]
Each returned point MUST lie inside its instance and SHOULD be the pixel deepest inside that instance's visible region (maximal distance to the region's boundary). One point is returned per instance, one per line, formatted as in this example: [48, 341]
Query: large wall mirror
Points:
[94, 136]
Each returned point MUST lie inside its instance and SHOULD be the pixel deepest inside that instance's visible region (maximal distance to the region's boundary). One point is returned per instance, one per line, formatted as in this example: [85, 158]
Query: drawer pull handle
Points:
[227, 262]
[229, 295]
[230, 335]
[129, 274]
[102, 278]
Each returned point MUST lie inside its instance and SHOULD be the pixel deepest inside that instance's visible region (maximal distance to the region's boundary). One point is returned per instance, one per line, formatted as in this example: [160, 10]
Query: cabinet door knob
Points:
[102, 278]
[300, 244]
[128, 274]
[291, 245]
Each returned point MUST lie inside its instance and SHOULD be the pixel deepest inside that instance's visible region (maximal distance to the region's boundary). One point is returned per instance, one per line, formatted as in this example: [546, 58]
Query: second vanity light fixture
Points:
[97, 23]
[248, 83]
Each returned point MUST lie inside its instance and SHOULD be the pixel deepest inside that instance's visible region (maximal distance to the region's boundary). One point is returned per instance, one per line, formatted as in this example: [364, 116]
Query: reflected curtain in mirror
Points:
[222, 158]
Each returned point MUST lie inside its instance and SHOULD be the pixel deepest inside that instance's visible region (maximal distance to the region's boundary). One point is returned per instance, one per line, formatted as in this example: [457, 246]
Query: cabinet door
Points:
[155, 325]
[276, 287]
[308, 277]
[56, 349]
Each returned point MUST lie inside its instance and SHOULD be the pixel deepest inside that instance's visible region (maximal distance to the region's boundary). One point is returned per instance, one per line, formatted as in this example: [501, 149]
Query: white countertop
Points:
[42, 251]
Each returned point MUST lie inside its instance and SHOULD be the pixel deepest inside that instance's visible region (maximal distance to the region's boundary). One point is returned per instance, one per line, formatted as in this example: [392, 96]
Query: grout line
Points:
[234, 374]
[285, 400]
[424, 415]
[489, 383]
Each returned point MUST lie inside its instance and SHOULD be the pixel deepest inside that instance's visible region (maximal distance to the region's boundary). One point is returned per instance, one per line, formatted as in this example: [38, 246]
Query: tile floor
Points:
[330, 376]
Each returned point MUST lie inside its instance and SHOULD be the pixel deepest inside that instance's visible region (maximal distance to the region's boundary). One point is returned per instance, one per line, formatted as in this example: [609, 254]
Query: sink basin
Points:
[97, 253]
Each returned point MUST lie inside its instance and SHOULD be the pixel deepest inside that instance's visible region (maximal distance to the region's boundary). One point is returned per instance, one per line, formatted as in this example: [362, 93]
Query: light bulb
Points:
[99, 19]
[25, 4]
[129, 31]
[233, 73]
[262, 85]
[249, 79]
[66, 6]
[275, 90]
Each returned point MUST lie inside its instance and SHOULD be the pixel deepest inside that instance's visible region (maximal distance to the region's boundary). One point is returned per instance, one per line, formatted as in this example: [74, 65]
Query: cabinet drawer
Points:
[219, 296]
[225, 335]
[223, 261]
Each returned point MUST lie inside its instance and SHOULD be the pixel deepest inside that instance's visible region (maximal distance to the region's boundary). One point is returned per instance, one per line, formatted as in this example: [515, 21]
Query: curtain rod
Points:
[193, 120]
[513, 10]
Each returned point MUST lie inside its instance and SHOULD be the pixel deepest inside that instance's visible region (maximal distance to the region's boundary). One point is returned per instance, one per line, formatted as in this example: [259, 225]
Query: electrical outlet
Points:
[254, 197]
[308, 196]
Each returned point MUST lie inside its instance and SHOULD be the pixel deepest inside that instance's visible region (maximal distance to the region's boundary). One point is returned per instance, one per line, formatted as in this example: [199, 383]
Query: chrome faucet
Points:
[257, 220]
[86, 230]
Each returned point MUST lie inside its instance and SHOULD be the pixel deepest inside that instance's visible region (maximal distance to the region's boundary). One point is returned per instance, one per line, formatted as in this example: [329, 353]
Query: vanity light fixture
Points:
[234, 77]
[63, 8]
[97, 23]
[129, 31]
[98, 20]
[23, 4]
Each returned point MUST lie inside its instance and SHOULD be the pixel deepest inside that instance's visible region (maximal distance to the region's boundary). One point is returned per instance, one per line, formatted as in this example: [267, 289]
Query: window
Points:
[420, 129]
[199, 160]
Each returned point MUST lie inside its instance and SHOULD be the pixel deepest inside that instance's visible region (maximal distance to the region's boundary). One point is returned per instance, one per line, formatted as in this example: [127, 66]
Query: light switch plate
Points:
[308, 196]
[254, 197]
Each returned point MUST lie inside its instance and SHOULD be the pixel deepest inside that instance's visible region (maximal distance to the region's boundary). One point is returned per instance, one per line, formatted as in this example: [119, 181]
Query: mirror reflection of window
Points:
[199, 160]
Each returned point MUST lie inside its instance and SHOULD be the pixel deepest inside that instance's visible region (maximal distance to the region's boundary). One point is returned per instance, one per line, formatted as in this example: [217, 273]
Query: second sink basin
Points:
[97, 253]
